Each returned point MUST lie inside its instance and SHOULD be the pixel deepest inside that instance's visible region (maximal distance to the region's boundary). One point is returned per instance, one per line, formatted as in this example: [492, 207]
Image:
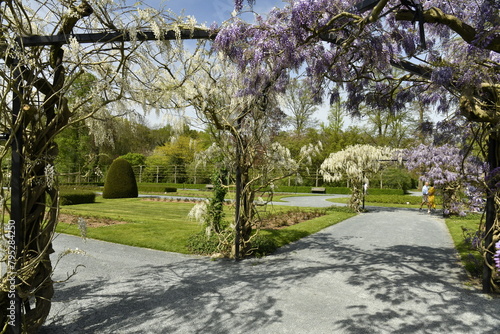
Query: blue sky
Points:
[208, 11]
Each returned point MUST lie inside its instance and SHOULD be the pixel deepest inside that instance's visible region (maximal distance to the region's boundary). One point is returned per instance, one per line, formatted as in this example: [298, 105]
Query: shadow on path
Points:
[354, 277]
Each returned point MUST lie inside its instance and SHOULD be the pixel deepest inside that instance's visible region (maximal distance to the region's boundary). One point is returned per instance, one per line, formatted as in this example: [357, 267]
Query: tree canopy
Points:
[377, 56]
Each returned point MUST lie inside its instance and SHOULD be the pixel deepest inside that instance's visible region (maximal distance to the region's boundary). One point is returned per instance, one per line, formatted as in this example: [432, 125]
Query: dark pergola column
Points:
[16, 215]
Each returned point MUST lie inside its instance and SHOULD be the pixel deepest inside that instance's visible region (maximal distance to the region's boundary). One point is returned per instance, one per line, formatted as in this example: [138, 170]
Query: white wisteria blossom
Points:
[50, 176]
[355, 164]
[68, 84]
[199, 211]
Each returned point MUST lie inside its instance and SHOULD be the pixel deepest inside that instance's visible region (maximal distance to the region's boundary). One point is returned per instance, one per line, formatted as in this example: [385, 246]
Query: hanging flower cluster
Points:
[493, 180]
[497, 256]
[355, 162]
[332, 41]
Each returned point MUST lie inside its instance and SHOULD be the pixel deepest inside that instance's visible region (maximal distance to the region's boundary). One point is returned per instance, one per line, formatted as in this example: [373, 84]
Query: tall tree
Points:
[301, 103]
[336, 117]
[386, 128]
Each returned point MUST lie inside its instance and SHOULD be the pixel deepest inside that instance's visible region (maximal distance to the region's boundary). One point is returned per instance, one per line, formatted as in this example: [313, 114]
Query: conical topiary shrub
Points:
[120, 181]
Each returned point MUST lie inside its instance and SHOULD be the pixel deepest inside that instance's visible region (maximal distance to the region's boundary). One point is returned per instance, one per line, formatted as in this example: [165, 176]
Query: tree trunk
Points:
[491, 216]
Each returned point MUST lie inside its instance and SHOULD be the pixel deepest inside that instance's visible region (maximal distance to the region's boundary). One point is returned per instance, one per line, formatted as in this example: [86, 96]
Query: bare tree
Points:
[302, 103]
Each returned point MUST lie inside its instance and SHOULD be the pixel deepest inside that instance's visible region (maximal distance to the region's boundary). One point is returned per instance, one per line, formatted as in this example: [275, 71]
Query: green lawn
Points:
[165, 226]
[156, 225]
[470, 257]
[295, 232]
[396, 201]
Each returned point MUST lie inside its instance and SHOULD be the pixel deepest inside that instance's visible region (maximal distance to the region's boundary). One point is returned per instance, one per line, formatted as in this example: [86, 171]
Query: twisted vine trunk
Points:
[491, 227]
[243, 211]
[34, 130]
[356, 200]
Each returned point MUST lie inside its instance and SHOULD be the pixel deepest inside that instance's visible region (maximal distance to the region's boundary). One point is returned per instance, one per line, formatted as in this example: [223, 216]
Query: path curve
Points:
[317, 201]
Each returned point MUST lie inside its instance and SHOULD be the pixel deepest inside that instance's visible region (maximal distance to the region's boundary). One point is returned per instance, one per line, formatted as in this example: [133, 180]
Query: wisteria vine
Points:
[451, 172]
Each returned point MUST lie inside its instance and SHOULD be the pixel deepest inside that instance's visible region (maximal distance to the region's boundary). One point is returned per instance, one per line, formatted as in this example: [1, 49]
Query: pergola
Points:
[16, 137]
[16, 215]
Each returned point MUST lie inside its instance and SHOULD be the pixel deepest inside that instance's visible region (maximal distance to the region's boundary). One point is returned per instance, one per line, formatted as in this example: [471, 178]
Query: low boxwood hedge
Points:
[71, 197]
[156, 188]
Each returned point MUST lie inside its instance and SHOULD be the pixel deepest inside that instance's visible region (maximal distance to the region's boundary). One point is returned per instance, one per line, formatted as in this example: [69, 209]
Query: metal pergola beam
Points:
[365, 5]
[110, 37]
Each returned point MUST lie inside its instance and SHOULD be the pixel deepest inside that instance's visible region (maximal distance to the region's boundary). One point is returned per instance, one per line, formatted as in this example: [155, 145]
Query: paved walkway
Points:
[319, 201]
[386, 271]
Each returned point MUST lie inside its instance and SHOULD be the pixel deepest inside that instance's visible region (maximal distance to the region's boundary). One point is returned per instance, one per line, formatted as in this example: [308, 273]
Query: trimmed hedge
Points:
[120, 181]
[82, 184]
[337, 190]
[397, 199]
[71, 197]
[162, 187]
[156, 188]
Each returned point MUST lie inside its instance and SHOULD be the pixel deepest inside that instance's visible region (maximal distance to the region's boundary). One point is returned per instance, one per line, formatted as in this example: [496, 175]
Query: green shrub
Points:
[263, 245]
[81, 185]
[378, 191]
[71, 197]
[120, 181]
[397, 178]
[201, 244]
[166, 187]
[135, 159]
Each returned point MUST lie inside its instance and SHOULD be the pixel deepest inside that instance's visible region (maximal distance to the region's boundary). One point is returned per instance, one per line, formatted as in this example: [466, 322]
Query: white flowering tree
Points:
[36, 81]
[356, 164]
[242, 128]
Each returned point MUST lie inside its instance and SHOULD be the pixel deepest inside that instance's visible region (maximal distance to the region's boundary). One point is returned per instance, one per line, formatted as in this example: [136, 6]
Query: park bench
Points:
[318, 190]
[209, 187]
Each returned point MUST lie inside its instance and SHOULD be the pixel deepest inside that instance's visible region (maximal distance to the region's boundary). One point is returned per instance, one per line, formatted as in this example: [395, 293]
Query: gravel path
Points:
[385, 271]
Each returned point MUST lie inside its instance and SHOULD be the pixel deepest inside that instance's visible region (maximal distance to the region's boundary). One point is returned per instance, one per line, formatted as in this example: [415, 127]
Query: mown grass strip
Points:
[156, 225]
[471, 258]
[165, 225]
[293, 233]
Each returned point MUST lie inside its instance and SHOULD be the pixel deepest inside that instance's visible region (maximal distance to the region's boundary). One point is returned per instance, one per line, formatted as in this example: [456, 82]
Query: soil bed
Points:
[285, 219]
[89, 221]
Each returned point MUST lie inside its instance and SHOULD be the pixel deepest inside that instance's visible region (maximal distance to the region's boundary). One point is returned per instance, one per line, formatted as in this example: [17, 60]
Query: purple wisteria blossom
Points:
[452, 172]
[324, 41]
[493, 180]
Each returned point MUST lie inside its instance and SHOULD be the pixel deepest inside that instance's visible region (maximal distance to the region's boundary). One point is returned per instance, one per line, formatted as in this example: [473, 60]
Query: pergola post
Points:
[16, 137]
[16, 213]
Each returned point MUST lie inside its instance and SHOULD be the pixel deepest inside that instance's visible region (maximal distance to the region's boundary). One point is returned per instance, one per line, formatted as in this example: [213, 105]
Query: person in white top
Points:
[425, 194]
